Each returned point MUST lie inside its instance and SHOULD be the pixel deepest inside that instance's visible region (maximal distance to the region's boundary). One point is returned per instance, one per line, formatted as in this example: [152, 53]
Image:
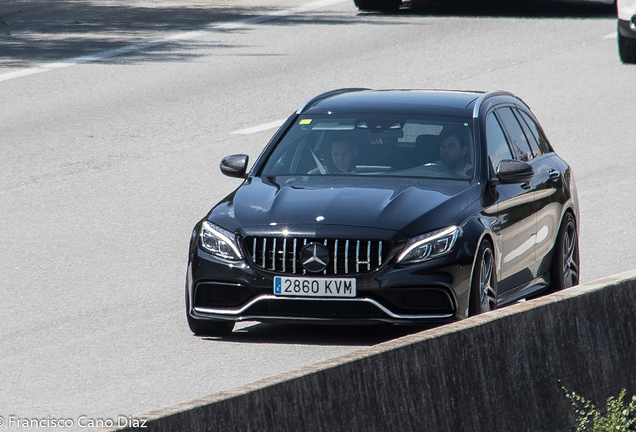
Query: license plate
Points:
[314, 287]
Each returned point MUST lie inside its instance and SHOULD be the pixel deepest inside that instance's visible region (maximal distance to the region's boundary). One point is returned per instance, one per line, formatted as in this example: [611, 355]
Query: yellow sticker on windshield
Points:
[305, 121]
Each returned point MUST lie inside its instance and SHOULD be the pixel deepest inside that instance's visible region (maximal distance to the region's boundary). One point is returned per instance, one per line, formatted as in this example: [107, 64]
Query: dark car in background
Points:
[626, 32]
[387, 206]
[388, 6]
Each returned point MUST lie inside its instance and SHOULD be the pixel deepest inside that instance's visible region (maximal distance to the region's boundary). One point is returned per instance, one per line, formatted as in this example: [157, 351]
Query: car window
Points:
[518, 141]
[544, 145]
[498, 149]
[534, 145]
[379, 145]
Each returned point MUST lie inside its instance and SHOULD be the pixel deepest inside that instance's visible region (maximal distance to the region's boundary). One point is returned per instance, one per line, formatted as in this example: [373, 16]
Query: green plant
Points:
[617, 418]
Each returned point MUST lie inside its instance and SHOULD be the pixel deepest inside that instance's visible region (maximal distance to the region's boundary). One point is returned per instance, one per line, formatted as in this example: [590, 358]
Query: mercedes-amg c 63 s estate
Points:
[394, 206]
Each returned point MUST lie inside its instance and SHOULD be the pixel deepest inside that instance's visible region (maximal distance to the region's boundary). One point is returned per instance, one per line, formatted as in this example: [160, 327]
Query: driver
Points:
[452, 151]
[342, 153]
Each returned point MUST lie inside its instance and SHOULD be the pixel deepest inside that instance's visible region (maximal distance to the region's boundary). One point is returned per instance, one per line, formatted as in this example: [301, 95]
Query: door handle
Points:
[526, 185]
[554, 175]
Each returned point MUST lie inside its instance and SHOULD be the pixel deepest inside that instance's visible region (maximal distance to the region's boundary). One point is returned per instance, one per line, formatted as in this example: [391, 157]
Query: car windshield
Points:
[372, 145]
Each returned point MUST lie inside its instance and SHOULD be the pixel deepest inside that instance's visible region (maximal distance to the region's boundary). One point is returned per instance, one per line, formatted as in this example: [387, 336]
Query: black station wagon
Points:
[394, 206]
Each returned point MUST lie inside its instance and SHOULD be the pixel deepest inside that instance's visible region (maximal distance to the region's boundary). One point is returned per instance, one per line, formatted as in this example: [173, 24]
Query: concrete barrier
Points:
[494, 372]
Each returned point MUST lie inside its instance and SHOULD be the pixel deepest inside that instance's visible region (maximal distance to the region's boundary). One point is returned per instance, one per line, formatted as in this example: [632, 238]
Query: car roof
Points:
[425, 102]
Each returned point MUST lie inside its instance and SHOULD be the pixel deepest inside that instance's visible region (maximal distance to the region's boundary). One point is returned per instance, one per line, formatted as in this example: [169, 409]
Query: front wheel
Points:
[207, 327]
[378, 5]
[483, 289]
[626, 50]
[564, 272]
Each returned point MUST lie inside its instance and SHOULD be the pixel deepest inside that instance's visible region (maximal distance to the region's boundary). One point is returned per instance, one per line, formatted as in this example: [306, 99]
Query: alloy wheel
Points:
[570, 256]
[488, 295]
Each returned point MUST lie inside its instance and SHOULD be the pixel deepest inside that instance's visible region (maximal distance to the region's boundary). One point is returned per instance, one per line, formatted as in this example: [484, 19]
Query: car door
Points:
[515, 224]
[549, 170]
[542, 182]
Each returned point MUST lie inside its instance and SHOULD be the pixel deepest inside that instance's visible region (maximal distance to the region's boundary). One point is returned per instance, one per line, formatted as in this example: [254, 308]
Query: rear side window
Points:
[519, 142]
[534, 145]
[544, 145]
[498, 149]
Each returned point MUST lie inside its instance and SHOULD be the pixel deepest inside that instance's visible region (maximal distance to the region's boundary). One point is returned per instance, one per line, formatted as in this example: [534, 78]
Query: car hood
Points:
[411, 206]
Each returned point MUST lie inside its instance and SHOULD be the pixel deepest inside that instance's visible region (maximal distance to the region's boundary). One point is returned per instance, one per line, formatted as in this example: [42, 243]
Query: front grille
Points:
[346, 256]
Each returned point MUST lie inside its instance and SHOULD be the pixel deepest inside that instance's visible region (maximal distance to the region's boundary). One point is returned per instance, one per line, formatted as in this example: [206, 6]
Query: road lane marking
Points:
[260, 128]
[610, 36]
[278, 14]
[47, 67]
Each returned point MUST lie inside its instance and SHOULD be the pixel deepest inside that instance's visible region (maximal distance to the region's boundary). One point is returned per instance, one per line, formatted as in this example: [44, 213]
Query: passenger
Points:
[453, 151]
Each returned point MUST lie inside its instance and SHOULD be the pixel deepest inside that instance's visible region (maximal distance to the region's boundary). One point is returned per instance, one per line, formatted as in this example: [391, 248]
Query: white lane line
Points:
[610, 36]
[260, 128]
[278, 14]
[46, 67]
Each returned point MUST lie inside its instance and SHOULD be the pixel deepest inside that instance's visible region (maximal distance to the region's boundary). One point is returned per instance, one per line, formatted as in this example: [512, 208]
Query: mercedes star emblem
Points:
[314, 257]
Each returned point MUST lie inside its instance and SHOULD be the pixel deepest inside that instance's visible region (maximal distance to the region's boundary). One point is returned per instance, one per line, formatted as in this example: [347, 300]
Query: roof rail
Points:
[325, 95]
[481, 99]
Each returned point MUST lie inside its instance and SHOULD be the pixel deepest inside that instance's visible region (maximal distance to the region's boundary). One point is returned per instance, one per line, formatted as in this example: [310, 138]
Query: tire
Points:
[207, 327]
[483, 288]
[378, 5]
[626, 50]
[565, 269]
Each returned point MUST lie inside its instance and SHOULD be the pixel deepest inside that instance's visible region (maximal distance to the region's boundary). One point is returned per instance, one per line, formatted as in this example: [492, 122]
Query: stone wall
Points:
[494, 372]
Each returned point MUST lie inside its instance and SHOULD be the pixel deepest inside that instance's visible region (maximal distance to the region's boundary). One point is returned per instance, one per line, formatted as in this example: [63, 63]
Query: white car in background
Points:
[627, 30]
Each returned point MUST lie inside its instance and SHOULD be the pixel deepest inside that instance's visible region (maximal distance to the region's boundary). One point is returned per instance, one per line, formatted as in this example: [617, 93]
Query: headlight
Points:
[219, 242]
[430, 245]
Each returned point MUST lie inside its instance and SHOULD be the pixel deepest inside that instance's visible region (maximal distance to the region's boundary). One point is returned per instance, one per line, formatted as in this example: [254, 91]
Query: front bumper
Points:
[436, 291]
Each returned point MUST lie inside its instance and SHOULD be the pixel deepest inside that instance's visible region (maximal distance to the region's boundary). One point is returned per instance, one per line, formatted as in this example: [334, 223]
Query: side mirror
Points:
[513, 171]
[235, 165]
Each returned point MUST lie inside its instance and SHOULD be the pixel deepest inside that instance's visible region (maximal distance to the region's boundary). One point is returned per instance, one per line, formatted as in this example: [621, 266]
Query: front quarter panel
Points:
[476, 229]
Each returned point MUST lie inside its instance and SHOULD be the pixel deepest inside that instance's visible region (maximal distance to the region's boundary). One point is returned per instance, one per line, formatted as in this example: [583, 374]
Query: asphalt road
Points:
[115, 114]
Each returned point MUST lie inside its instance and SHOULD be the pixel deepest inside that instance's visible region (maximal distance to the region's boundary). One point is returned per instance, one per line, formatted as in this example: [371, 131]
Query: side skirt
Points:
[529, 289]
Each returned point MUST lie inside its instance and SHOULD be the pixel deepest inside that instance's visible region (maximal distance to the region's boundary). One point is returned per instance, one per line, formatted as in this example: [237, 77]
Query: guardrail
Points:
[494, 372]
